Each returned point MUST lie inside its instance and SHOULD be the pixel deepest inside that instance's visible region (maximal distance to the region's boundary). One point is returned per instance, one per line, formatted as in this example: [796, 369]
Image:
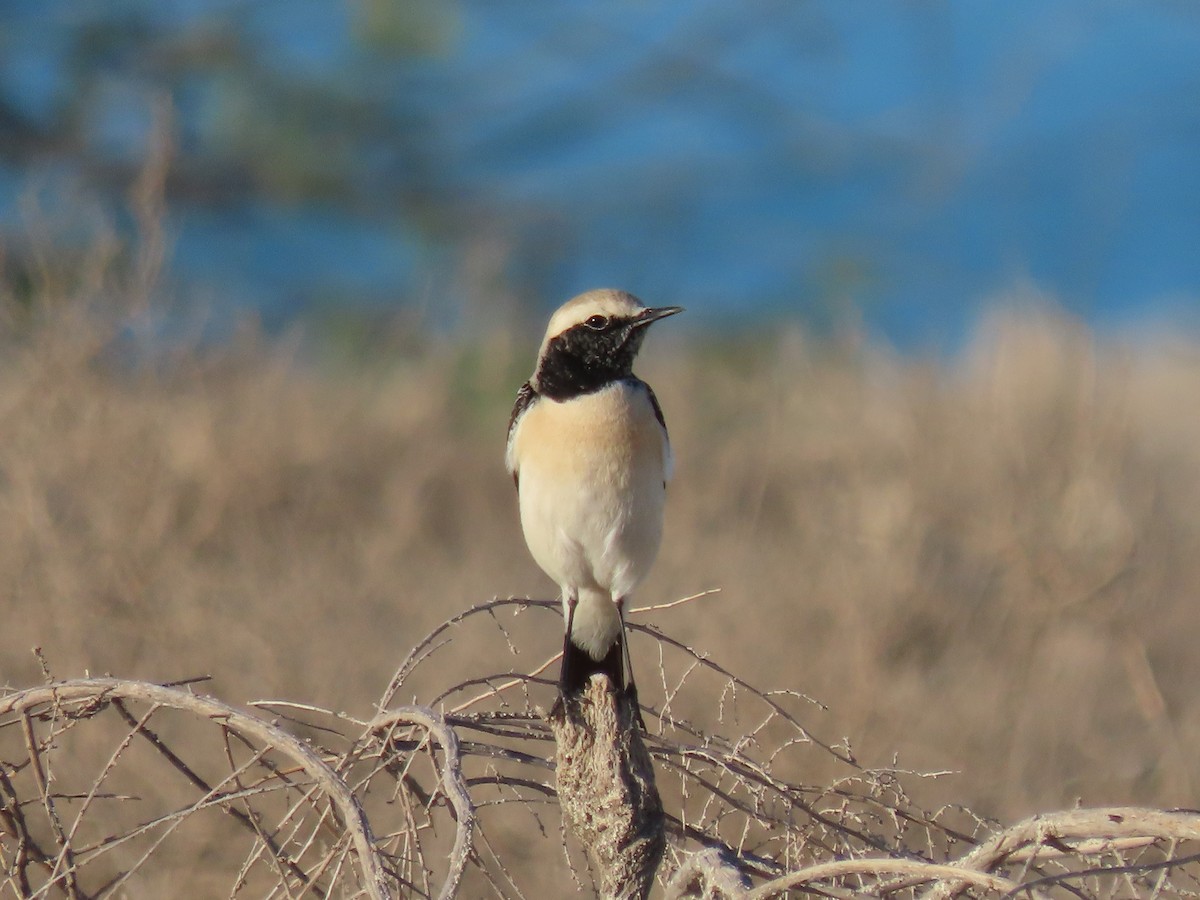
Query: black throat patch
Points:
[582, 360]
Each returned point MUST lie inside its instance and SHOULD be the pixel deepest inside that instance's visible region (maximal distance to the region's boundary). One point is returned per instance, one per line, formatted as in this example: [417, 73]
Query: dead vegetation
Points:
[112, 787]
[988, 568]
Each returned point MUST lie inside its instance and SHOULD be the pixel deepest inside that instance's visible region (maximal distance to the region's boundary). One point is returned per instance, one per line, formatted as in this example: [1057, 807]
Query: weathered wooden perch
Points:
[606, 788]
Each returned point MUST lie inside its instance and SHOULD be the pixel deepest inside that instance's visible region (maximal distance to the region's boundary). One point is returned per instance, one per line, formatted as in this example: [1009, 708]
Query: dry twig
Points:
[99, 778]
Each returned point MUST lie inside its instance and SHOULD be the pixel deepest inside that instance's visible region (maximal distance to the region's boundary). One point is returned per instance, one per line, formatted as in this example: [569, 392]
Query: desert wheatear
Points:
[588, 451]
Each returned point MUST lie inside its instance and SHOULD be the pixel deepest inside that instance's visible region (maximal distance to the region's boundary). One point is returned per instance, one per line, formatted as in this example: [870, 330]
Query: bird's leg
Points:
[630, 684]
[571, 598]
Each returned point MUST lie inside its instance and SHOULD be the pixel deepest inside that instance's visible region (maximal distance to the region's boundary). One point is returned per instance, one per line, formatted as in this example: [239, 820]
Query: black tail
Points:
[578, 666]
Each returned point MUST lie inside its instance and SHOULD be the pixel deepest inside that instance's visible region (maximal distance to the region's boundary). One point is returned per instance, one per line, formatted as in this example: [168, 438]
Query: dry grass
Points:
[111, 787]
[990, 568]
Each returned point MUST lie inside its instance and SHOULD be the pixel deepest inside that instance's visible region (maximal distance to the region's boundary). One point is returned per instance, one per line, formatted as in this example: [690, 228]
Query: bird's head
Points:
[592, 340]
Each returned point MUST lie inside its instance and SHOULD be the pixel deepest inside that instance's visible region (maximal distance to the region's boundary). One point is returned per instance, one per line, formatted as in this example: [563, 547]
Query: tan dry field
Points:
[990, 567]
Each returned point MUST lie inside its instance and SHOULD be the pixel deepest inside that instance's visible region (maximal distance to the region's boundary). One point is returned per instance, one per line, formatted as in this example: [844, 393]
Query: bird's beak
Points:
[654, 313]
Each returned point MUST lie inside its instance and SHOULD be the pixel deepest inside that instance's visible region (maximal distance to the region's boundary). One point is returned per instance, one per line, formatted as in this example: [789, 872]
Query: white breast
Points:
[592, 472]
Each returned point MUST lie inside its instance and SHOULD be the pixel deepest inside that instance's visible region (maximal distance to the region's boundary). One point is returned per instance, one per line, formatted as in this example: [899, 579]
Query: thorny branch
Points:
[99, 776]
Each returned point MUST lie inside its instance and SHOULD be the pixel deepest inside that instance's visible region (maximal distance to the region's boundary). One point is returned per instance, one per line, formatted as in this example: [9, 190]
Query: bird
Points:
[590, 457]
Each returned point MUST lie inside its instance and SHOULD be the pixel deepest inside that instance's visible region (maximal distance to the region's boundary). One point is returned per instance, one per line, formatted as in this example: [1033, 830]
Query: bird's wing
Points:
[668, 455]
[525, 398]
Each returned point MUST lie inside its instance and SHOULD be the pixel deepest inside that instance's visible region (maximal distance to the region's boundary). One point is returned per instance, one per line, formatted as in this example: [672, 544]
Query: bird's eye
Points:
[596, 323]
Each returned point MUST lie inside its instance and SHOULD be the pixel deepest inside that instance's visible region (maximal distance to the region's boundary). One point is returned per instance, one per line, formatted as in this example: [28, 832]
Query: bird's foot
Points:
[631, 695]
[558, 710]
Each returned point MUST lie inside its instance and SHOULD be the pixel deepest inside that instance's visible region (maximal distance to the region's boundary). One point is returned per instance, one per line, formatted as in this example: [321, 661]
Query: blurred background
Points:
[273, 271]
[891, 167]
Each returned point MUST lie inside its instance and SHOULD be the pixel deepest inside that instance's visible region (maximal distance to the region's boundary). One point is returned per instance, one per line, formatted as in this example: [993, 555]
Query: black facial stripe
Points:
[582, 360]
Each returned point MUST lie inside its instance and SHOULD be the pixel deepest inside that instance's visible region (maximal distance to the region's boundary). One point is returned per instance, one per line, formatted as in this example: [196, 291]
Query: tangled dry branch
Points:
[108, 783]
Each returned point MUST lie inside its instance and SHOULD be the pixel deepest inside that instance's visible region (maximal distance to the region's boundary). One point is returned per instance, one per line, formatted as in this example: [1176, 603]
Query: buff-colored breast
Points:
[592, 472]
